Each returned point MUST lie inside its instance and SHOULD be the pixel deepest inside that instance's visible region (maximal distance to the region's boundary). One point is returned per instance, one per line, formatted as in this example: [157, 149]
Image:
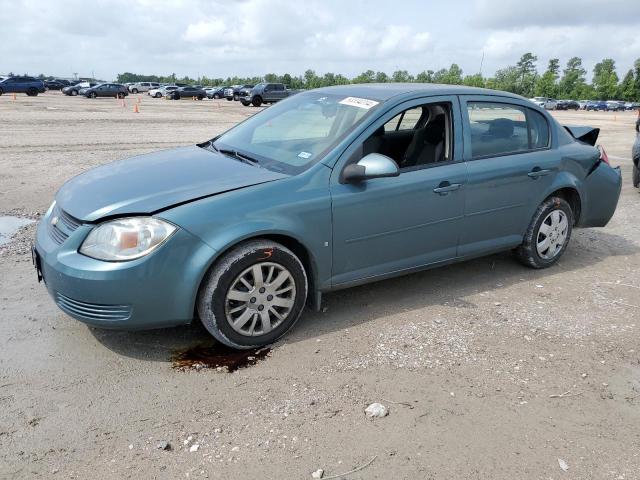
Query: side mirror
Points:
[374, 165]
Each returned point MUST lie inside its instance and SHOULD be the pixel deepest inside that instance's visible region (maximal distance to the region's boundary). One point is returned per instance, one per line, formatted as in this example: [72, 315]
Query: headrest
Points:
[501, 128]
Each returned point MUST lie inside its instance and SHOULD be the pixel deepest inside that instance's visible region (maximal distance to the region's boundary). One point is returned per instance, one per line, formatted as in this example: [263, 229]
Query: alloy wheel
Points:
[552, 234]
[260, 299]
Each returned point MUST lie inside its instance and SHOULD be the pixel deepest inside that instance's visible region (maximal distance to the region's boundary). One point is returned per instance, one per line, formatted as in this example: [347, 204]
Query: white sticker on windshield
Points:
[359, 102]
[304, 155]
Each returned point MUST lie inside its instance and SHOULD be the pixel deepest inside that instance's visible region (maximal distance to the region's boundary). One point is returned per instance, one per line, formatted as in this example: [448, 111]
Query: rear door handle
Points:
[537, 172]
[446, 187]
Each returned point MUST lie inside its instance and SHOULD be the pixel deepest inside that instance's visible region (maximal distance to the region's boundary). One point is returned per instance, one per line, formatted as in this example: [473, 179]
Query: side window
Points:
[280, 87]
[500, 129]
[406, 120]
[417, 138]
[539, 129]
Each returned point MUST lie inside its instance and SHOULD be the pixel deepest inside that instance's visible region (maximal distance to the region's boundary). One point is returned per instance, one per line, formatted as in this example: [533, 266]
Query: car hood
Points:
[148, 183]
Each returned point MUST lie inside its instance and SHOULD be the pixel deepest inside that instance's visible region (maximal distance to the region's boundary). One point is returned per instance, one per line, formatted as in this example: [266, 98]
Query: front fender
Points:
[296, 207]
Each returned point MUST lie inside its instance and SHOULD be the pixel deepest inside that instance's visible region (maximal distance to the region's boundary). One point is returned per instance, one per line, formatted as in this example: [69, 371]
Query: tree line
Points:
[522, 78]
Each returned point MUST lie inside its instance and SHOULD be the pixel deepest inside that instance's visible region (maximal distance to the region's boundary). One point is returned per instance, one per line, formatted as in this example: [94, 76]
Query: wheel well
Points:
[292, 244]
[572, 197]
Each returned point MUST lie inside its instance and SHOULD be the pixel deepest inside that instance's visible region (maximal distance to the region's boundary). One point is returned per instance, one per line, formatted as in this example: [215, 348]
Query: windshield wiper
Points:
[240, 156]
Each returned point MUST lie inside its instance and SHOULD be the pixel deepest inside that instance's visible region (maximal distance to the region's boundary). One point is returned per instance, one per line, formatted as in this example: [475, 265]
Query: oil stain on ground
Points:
[218, 357]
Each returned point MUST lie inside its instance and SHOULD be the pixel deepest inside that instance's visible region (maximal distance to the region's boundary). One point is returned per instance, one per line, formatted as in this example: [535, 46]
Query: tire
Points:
[135, 90]
[236, 97]
[245, 102]
[528, 253]
[216, 96]
[200, 97]
[157, 95]
[1, 92]
[73, 93]
[229, 99]
[256, 101]
[32, 92]
[93, 95]
[635, 176]
[216, 310]
[120, 95]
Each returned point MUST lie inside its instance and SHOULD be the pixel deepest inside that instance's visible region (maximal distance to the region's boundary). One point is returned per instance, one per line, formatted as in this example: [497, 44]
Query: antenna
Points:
[481, 62]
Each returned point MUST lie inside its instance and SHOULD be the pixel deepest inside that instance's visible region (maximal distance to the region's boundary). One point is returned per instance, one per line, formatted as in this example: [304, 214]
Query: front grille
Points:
[61, 225]
[93, 311]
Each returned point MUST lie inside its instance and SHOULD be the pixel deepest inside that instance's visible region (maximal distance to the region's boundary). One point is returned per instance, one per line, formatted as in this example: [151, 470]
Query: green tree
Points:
[527, 74]
[605, 79]
[573, 83]
[505, 79]
[475, 80]
[636, 81]
[401, 76]
[365, 77]
[382, 77]
[627, 87]
[425, 76]
[546, 85]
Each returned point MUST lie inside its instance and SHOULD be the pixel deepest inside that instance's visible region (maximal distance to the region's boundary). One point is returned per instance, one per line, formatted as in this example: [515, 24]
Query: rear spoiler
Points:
[584, 134]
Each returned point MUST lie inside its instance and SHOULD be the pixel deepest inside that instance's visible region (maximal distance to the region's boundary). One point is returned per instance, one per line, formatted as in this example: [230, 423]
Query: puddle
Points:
[10, 225]
[218, 356]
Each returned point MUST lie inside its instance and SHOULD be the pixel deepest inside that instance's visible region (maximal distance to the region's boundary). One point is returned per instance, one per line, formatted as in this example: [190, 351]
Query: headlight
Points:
[126, 238]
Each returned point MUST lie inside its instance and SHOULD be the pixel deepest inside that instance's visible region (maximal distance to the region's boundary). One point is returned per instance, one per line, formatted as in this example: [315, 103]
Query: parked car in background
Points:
[116, 90]
[22, 84]
[596, 105]
[215, 92]
[328, 189]
[615, 106]
[74, 90]
[265, 93]
[567, 105]
[544, 102]
[55, 84]
[233, 92]
[142, 86]
[161, 91]
[632, 105]
[583, 104]
[186, 92]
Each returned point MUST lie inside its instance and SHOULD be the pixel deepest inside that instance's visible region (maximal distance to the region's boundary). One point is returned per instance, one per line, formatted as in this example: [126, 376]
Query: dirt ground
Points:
[490, 370]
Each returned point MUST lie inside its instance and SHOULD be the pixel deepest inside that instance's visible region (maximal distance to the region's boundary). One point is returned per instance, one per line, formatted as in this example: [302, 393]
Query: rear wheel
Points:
[93, 95]
[74, 93]
[636, 176]
[229, 99]
[1, 92]
[120, 95]
[548, 234]
[245, 102]
[236, 97]
[216, 96]
[253, 295]
[134, 90]
[32, 92]
[158, 95]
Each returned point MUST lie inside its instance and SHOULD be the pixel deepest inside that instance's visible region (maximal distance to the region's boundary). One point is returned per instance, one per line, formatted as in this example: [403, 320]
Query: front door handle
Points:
[538, 172]
[445, 187]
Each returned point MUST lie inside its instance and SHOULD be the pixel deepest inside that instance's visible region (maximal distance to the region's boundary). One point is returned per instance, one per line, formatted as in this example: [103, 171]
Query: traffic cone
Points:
[135, 108]
[14, 95]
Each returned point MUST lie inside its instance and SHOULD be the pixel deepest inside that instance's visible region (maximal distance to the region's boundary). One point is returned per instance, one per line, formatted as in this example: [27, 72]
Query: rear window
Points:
[502, 129]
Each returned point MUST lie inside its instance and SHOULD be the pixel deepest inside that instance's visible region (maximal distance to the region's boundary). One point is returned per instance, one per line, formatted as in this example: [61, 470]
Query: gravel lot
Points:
[490, 370]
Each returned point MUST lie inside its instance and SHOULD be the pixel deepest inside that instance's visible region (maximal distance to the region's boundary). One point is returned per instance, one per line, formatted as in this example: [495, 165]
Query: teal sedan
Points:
[328, 189]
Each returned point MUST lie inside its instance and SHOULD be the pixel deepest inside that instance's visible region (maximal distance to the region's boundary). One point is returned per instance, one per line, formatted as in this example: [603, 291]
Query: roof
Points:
[386, 91]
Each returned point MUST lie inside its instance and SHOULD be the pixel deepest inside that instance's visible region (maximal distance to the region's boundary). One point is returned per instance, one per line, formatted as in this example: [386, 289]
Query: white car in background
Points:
[161, 91]
[143, 86]
[544, 102]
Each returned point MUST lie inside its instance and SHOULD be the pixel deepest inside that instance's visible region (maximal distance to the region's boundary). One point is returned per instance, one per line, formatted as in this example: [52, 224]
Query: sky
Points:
[253, 37]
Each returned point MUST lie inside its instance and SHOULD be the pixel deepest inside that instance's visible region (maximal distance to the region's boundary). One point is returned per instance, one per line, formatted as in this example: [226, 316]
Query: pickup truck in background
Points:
[266, 93]
[233, 92]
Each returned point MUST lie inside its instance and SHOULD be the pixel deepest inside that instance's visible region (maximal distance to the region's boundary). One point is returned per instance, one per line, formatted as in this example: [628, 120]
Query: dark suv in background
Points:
[73, 90]
[29, 85]
[233, 92]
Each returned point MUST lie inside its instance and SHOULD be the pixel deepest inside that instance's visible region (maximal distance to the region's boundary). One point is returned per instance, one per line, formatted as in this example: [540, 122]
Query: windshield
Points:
[296, 133]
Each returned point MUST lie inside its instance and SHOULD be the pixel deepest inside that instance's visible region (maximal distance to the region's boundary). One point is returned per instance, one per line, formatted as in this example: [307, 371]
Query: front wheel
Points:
[93, 95]
[548, 234]
[253, 295]
[257, 101]
[74, 93]
[216, 96]
[135, 90]
[636, 176]
[157, 95]
[245, 102]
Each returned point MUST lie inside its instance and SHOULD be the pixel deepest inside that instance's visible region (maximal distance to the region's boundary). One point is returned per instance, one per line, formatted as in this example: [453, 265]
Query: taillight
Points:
[603, 155]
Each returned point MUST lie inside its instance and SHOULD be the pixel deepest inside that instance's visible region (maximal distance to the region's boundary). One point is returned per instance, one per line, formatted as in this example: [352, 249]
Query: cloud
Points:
[509, 14]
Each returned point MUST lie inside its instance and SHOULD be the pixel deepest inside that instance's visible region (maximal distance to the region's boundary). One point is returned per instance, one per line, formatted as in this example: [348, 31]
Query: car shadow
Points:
[448, 285]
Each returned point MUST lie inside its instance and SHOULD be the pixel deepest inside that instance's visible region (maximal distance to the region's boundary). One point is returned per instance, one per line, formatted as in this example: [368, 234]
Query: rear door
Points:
[510, 165]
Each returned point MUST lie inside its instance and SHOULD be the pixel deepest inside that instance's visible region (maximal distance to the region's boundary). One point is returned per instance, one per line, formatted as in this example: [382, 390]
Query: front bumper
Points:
[155, 291]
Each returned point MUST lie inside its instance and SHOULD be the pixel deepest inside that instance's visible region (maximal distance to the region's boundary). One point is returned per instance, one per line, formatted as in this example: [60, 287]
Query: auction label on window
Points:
[359, 102]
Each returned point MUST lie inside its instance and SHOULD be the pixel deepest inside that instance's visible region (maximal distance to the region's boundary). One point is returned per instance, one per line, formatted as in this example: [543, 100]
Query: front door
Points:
[510, 166]
[390, 225]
